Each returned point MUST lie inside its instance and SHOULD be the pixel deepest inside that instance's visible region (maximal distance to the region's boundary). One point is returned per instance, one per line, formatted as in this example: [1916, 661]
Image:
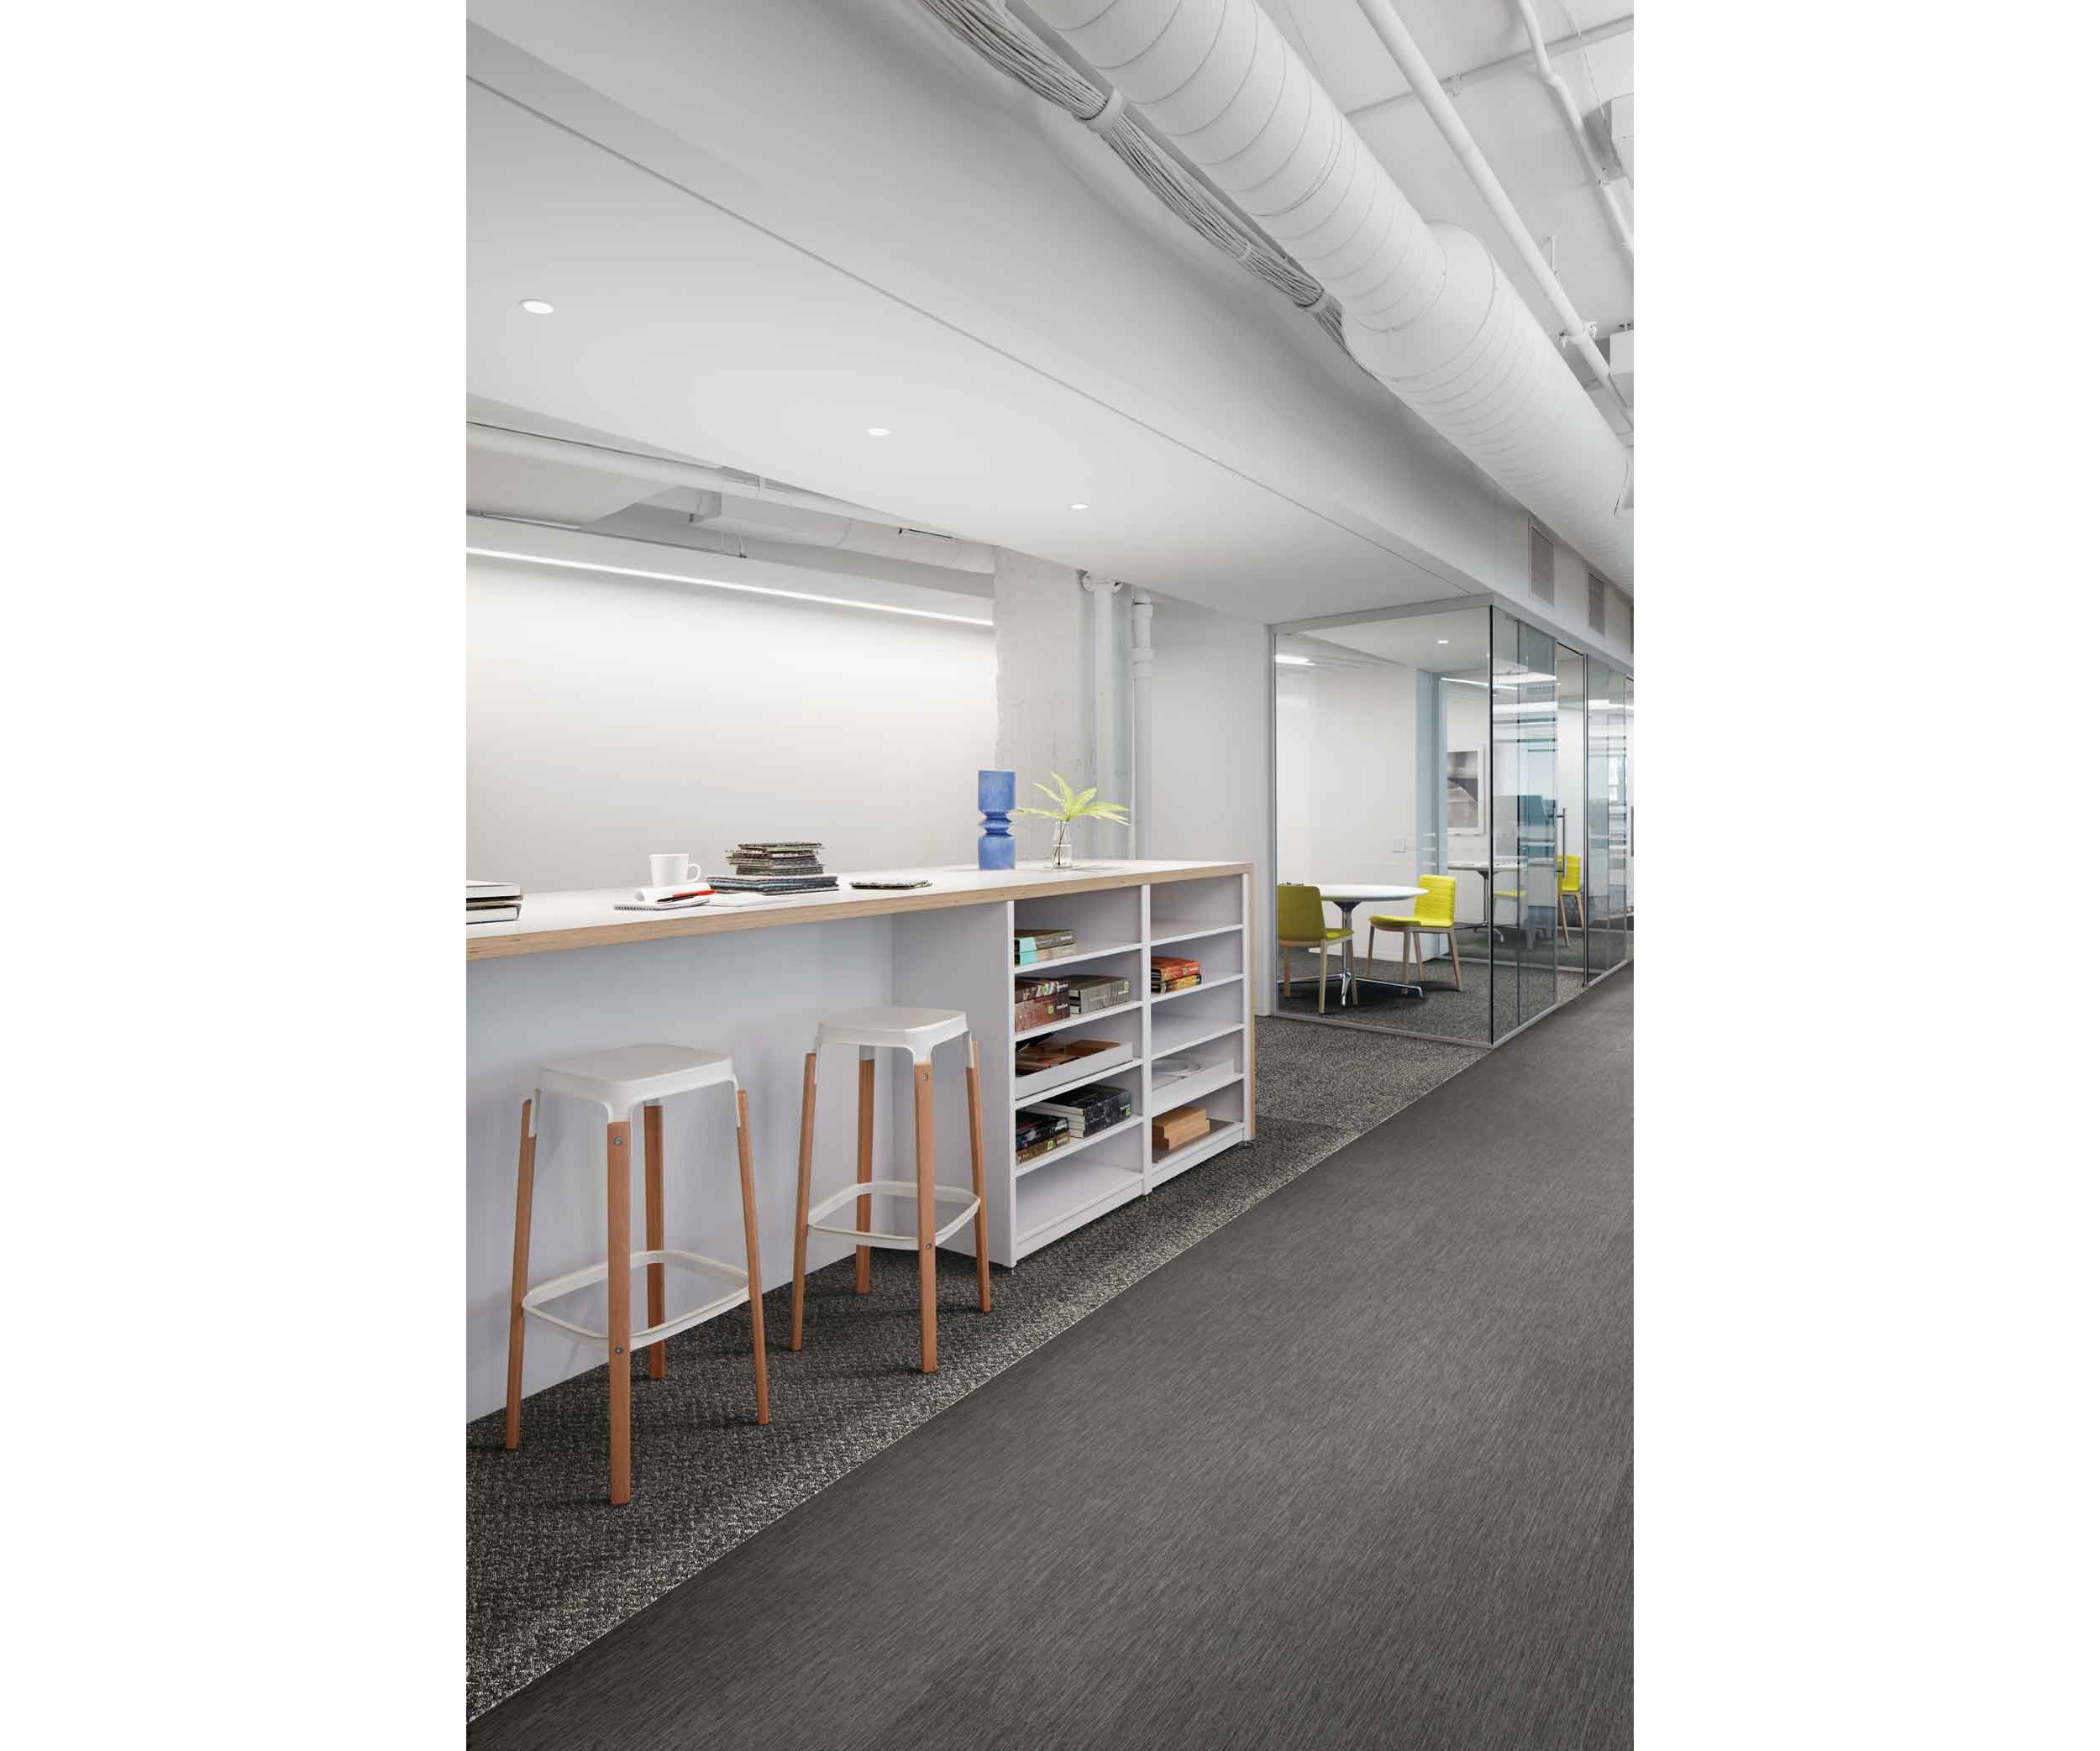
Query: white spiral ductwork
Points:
[1426, 308]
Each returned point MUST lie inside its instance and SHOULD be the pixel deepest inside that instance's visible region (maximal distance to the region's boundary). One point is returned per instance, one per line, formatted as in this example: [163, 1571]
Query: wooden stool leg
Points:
[751, 1257]
[976, 1185]
[864, 1168]
[803, 1200]
[923, 1089]
[1285, 953]
[1323, 976]
[1457, 976]
[653, 1221]
[619, 1282]
[521, 1249]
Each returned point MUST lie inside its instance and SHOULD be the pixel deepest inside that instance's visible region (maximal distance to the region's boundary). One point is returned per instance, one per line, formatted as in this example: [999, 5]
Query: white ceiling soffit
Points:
[691, 316]
[546, 491]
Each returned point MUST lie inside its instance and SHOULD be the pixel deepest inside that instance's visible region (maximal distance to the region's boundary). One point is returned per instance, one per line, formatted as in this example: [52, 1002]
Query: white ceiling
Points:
[754, 280]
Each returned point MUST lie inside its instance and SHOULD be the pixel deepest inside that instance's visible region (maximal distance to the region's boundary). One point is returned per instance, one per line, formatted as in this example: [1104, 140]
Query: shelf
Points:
[1090, 1068]
[1066, 1152]
[1046, 1204]
[1172, 1037]
[1168, 929]
[1047, 969]
[1207, 1081]
[1218, 984]
[1220, 1137]
[1086, 1020]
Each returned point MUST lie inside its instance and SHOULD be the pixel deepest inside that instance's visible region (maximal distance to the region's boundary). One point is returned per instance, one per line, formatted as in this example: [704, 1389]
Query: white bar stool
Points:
[619, 1080]
[917, 1031]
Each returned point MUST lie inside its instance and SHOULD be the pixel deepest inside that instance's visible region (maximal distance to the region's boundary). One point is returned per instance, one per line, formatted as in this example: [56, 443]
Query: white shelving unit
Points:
[965, 958]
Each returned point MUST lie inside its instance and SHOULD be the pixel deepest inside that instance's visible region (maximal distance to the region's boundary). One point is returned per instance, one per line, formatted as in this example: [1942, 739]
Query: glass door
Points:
[1610, 814]
[1526, 784]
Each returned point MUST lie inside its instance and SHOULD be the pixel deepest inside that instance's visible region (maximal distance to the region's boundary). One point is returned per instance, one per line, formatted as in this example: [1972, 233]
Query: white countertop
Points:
[585, 918]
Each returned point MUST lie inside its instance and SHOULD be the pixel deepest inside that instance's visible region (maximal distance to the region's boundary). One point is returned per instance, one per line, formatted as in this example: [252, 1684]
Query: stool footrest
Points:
[693, 1262]
[890, 1188]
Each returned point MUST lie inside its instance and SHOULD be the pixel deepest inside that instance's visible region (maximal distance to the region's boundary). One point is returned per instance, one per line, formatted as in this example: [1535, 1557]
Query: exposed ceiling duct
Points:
[1426, 308]
[558, 479]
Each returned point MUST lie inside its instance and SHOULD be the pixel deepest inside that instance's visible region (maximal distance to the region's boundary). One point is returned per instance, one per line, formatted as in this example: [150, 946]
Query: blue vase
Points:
[994, 801]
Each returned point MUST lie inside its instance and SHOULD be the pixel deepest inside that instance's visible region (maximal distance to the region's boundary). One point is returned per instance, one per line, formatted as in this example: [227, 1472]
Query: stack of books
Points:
[1092, 991]
[1093, 1107]
[1040, 1001]
[1171, 972]
[1048, 944]
[493, 902]
[1037, 1134]
[1184, 1125]
[775, 866]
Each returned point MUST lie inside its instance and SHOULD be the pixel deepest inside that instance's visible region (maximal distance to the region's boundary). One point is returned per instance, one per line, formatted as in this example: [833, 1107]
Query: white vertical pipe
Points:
[1571, 120]
[1102, 625]
[1141, 717]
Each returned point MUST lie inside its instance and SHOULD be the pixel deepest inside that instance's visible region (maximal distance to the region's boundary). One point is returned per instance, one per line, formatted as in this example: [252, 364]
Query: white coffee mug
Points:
[673, 869]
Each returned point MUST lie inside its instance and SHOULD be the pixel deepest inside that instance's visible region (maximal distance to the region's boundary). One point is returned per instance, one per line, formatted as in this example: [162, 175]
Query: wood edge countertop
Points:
[957, 885]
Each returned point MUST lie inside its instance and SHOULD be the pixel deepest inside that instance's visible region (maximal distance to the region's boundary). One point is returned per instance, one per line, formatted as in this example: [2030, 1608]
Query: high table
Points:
[1487, 872]
[753, 977]
[1346, 897]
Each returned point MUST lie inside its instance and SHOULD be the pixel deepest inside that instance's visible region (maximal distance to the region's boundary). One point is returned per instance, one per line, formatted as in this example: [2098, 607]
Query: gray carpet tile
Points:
[1355, 1471]
[1443, 1009]
[551, 1567]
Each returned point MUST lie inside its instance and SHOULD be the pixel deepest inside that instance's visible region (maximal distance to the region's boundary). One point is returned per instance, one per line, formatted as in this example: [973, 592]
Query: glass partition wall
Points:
[1453, 822]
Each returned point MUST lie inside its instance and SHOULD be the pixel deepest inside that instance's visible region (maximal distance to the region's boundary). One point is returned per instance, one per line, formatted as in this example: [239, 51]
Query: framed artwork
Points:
[1461, 791]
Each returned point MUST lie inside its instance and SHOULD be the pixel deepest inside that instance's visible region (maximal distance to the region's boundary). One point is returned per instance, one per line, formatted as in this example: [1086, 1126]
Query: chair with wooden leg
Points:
[1571, 886]
[618, 1082]
[917, 1031]
[1435, 914]
[1301, 922]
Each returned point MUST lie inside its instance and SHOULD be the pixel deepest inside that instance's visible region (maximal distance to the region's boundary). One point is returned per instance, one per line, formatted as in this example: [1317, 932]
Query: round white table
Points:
[1346, 897]
[1487, 872]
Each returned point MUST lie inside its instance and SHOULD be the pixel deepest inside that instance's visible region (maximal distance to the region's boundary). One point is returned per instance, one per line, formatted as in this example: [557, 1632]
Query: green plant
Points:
[1077, 805]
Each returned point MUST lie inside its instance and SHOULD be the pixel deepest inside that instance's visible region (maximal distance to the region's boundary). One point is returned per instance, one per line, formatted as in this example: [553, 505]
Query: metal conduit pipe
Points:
[1425, 307]
[1571, 120]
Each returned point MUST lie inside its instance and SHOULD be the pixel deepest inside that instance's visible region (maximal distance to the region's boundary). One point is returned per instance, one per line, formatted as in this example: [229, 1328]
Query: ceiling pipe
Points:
[1575, 331]
[1571, 120]
[1454, 83]
[1425, 307]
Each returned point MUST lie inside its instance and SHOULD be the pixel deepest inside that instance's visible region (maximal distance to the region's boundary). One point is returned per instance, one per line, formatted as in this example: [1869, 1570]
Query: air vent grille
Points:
[1597, 589]
[1542, 564]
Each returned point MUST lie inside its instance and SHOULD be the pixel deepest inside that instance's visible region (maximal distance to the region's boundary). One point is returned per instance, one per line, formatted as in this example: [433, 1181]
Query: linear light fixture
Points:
[1295, 662]
[793, 596]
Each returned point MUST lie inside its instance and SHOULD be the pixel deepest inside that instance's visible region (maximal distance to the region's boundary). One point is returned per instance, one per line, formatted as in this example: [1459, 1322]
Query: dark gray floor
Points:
[1355, 1470]
[551, 1568]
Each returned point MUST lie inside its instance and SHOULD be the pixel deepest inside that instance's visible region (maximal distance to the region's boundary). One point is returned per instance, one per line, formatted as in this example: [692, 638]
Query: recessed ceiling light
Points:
[537, 306]
[878, 431]
[1079, 507]
[1296, 662]
[1443, 641]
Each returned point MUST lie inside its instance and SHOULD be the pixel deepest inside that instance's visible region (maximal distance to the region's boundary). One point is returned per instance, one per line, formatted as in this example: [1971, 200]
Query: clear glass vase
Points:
[1061, 846]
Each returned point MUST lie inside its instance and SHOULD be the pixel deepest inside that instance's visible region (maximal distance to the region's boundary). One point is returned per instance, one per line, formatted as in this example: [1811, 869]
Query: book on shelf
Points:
[1174, 972]
[1032, 990]
[1184, 1125]
[493, 902]
[1095, 1107]
[490, 915]
[1042, 1148]
[1094, 991]
[1033, 956]
[1041, 1012]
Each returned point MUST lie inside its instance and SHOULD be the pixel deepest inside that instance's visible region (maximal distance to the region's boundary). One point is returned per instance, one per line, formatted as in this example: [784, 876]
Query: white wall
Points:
[1211, 775]
[608, 718]
[1346, 768]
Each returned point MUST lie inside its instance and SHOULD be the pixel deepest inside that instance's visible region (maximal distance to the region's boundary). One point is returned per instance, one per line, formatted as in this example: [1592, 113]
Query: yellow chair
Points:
[1435, 912]
[1571, 883]
[1300, 923]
